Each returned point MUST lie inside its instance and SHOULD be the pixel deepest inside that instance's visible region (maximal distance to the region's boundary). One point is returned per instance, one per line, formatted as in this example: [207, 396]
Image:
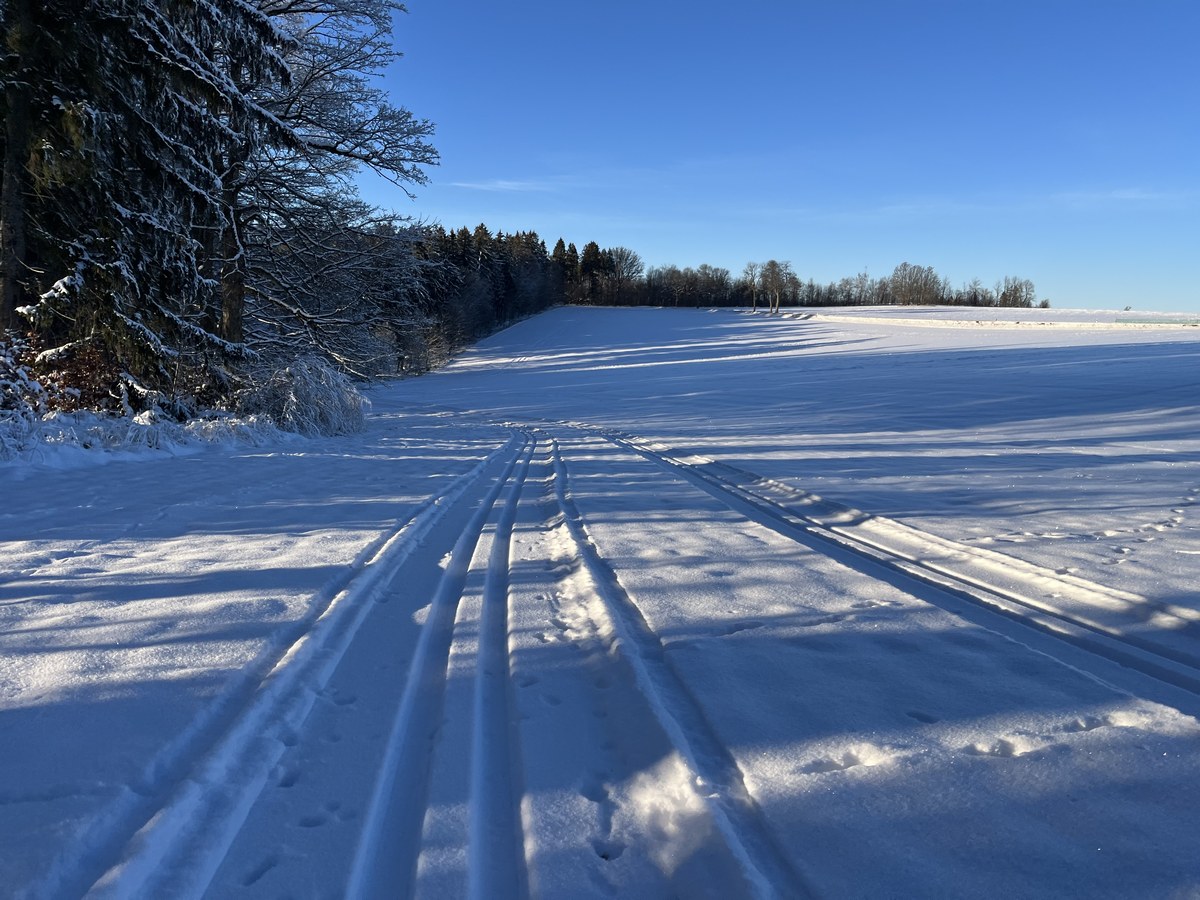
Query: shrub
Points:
[308, 396]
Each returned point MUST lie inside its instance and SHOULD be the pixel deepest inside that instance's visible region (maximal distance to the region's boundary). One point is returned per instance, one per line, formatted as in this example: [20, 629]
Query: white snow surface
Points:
[637, 603]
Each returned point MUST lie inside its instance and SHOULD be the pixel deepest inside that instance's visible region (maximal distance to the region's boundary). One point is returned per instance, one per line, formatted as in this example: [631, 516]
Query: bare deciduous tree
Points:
[750, 279]
[776, 279]
[627, 266]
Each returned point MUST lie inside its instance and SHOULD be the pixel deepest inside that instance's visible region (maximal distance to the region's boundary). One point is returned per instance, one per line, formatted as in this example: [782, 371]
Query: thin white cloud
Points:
[1124, 197]
[922, 208]
[502, 185]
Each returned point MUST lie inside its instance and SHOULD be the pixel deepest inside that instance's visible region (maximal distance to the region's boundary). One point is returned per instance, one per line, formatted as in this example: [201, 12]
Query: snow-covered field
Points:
[638, 603]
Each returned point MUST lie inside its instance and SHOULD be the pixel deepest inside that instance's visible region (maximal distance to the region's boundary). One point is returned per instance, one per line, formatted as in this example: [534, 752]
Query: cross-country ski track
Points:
[586, 658]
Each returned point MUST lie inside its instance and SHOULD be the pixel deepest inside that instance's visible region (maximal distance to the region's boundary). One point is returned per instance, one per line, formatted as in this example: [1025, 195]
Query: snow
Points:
[634, 602]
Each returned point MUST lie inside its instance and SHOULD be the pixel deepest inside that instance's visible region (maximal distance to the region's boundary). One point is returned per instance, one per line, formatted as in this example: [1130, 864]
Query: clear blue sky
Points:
[1054, 140]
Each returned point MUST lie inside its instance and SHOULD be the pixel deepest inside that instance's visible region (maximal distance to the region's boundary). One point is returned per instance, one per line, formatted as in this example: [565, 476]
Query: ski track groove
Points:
[718, 778]
[397, 805]
[150, 836]
[204, 783]
[496, 857]
[841, 527]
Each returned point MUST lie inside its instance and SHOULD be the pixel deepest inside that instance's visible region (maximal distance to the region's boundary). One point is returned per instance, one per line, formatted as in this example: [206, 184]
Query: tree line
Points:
[618, 277]
[179, 221]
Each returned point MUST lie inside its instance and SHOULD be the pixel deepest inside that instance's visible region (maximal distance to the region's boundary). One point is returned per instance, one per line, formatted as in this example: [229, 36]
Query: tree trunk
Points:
[233, 251]
[18, 127]
[233, 276]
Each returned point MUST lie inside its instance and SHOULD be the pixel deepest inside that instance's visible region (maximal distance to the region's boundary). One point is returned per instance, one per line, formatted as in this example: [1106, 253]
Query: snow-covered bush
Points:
[42, 421]
[22, 399]
[20, 392]
[308, 396]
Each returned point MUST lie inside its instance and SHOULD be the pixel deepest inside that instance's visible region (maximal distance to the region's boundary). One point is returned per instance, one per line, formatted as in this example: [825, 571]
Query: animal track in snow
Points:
[1011, 747]
[608, 849]
[738, 627]
[256, 874]
[1117, 719]
[594, 790]
[1086, 723]
[329, 811]
[863, 755]
[922, 716]
[824, 620]
[603, 843]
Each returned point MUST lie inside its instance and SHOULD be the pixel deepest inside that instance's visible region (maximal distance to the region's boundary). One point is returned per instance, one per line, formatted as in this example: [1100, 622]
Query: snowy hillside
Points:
[638, 603]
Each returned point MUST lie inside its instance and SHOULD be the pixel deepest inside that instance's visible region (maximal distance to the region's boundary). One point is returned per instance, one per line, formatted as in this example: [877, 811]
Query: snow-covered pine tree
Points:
[131, 103]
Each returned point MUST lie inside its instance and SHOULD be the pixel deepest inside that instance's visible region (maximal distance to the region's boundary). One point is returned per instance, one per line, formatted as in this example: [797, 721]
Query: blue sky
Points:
[1057, 141]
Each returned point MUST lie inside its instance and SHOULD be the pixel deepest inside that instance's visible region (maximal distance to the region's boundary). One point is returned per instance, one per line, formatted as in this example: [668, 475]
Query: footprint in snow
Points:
[824, 620]
[594, 790]
[608, 849]
[740, 626]
[865, 755]
[922, 716]
[1085, 723]
[1007, 748]
[256, 874]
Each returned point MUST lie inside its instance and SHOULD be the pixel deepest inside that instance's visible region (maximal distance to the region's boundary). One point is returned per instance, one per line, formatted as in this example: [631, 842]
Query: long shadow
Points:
[873, 384]
[797, 694]
[801, 699]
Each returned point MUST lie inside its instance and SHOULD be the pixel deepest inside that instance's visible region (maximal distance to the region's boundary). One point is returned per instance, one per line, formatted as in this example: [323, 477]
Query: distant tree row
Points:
[618, 277]
[179, 219]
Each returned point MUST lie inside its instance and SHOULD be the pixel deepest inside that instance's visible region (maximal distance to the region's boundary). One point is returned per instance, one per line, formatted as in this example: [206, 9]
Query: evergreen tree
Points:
[591, 271]
[128, 107]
